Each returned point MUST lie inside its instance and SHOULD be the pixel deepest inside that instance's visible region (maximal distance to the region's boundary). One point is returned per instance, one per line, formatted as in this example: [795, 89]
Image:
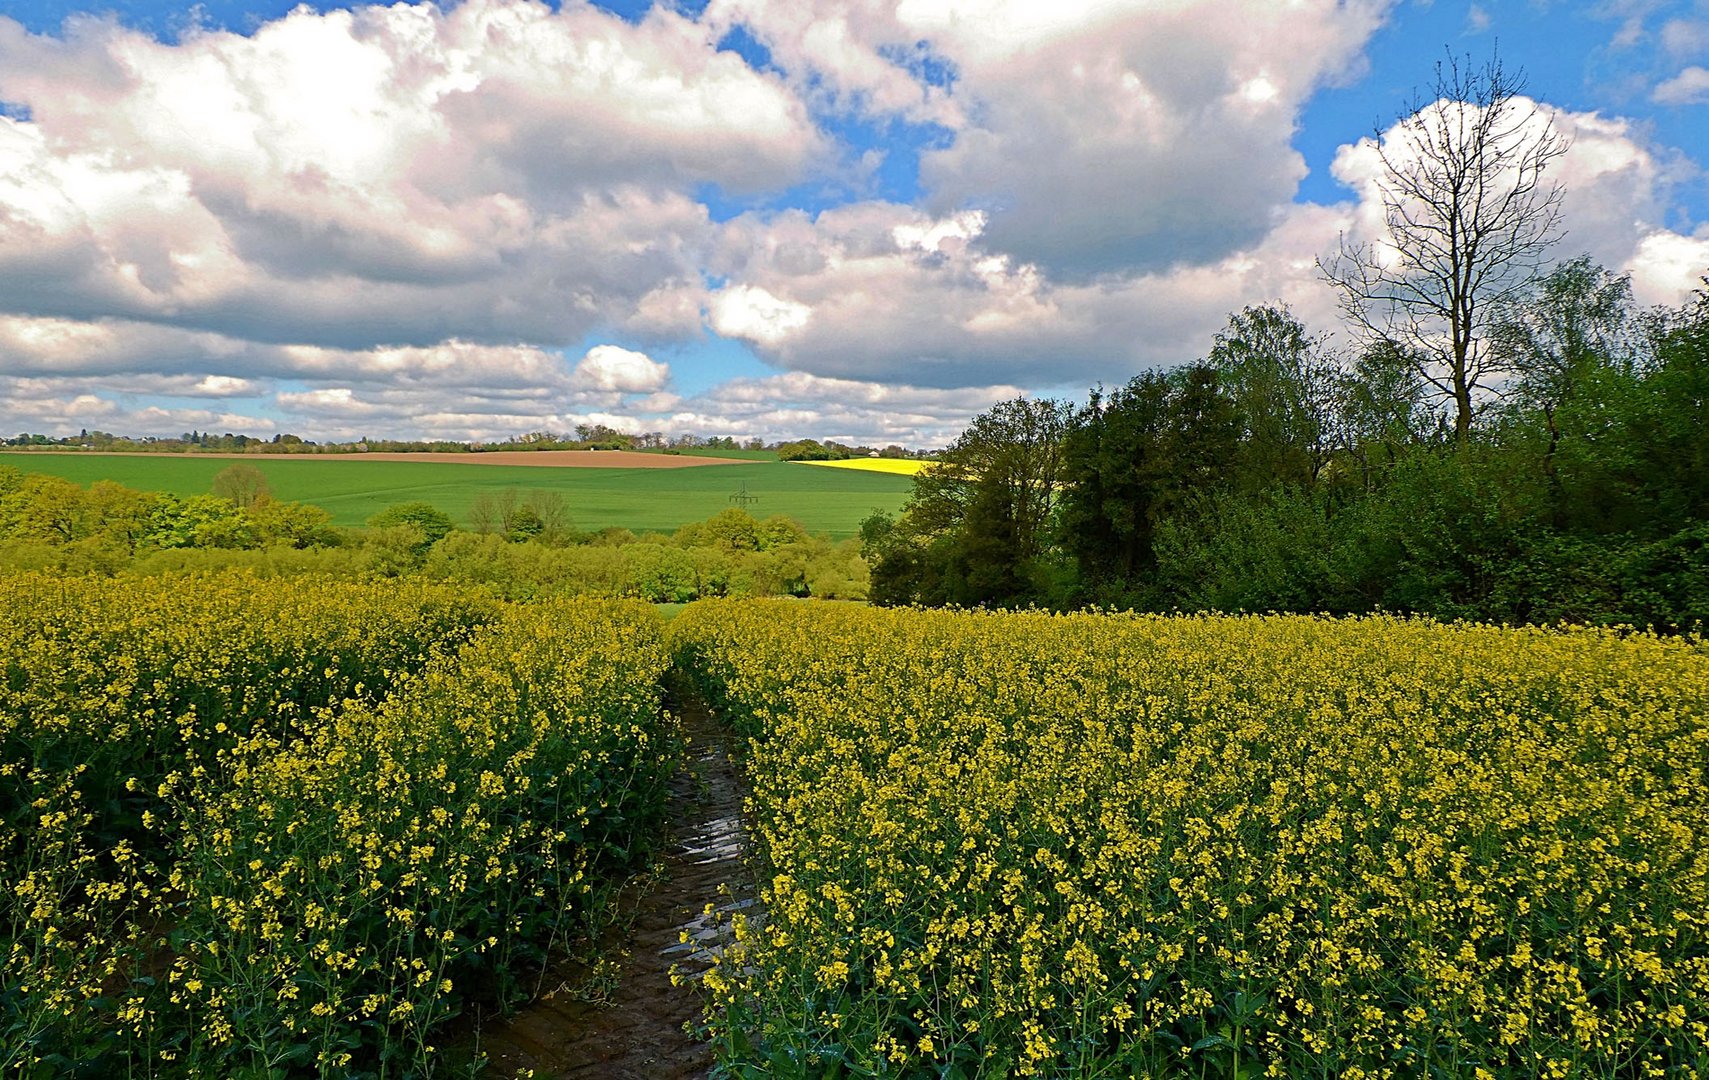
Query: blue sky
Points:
[755, 217]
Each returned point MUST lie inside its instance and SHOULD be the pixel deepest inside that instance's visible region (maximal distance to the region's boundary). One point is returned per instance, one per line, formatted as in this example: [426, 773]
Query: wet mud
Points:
[585, 1026]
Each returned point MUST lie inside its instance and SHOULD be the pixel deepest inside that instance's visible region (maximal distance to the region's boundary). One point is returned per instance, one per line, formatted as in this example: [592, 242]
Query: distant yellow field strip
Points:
[900, 466]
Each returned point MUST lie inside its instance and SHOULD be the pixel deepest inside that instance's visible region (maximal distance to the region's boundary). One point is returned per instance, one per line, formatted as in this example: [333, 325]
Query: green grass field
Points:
[829, 501]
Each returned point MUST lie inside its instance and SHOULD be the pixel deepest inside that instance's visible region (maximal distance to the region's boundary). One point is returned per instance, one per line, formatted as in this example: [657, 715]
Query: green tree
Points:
[201, 521]
[1287, 391]
[1573, 345]
[1384, 410]
[433, 522]
[780, 530]
[47, 508]
[294, 524]
[523, 524]
[1151, 450]
[538, 515]
[977, 526]
[808, 450]
[1576, 320]
[120, 514]
[1667, 426]
[730, 530]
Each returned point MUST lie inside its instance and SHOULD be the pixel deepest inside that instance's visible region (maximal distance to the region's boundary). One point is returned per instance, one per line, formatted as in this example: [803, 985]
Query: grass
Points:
[829, 501]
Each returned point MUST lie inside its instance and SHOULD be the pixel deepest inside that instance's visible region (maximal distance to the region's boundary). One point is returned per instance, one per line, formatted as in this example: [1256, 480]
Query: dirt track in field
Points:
[562, 459]
[638, 1033]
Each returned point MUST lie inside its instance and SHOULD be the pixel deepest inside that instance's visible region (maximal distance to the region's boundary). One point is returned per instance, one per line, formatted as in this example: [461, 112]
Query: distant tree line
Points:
[584, 437]
[1275, 475]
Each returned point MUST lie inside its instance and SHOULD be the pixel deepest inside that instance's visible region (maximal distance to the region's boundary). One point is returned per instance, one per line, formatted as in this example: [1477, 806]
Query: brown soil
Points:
[638, 1032]
[563, 459]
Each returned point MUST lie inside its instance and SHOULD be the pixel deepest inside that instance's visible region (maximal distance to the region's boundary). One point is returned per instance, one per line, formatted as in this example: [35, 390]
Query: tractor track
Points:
[639, 1029]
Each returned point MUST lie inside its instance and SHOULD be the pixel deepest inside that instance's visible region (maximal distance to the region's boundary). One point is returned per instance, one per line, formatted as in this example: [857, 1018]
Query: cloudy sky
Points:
[864, 220]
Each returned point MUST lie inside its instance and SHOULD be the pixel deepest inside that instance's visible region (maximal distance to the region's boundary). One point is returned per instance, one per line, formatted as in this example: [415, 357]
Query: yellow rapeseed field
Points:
[1107, 846]
[896, 466]
[263, 828]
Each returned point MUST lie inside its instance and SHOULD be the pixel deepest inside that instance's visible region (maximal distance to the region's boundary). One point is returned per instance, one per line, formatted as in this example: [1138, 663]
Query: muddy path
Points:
[636, 1028]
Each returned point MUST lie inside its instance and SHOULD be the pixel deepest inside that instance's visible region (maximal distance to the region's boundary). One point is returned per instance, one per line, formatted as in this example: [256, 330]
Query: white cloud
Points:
[1618, 188]
[400, 174]
[887, 292]
[1667, 267]
[391, 220]
[1685, 37]
[753, 314]
[857, 55]
[1100, 137]
[1689, 87]
[64, 407]
[894, 294]
[222, 386]
[607, 367]
[789, 405]
[1113, 138]
[34, 345]
[466, 367]
[796, 403]
[337, 401]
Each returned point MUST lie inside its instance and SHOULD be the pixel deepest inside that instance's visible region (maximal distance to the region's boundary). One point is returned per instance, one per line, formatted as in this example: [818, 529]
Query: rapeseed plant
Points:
[256, 828]
[1100, 845]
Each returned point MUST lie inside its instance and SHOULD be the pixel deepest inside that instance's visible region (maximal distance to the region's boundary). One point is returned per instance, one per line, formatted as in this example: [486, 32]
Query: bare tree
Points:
[1468, 219]
[243, 484]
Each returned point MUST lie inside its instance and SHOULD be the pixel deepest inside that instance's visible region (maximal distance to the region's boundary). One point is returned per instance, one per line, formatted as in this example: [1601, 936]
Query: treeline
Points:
[584, 437]
[518, 545]
[1276, 475]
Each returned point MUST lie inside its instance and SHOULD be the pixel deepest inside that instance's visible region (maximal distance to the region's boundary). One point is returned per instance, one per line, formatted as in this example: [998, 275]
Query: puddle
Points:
[639, 1031]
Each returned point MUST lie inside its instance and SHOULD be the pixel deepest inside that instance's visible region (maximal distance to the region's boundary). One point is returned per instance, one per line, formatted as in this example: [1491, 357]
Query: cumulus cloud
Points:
[221, 386]
[771, 408]
[65, 406]
[857, 56]
[753, 314]
[885, 291]
[1689, 87]
[36, 345]
[624, 371]
[1617, 191]
[392, 220]
[1099, 137]
[1667, 267]
[888, 292]
[784, 406]
[399, 174]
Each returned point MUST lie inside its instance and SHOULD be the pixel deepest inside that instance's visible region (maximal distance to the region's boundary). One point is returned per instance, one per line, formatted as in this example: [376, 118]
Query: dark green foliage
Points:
[809, 450]
[1276, 478]
[978, 528]
[1152, 452]
[433, 522]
